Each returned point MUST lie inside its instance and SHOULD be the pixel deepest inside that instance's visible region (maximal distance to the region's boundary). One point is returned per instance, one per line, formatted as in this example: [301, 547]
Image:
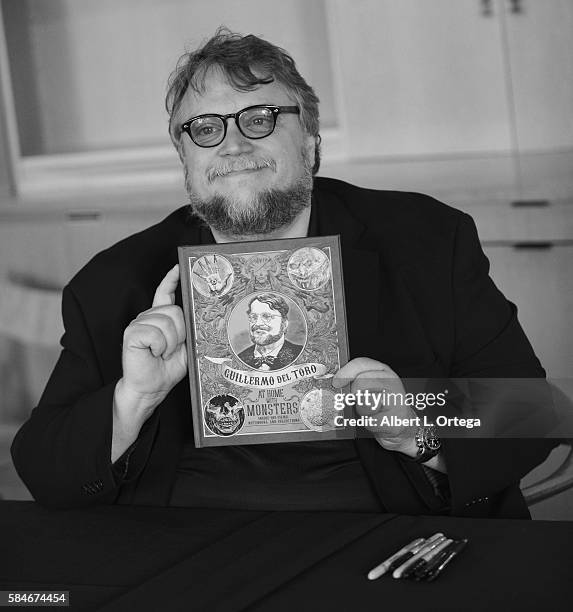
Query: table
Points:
[118, 558]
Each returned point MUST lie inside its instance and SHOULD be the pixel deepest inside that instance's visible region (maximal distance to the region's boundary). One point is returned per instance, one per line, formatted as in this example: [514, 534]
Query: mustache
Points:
[237, 165]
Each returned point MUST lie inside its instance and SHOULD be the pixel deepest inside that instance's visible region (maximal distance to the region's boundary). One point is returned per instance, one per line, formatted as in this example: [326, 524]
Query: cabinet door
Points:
[540, 283]
[32, 251]
[418, 77]
[540, 48]
[89, 233]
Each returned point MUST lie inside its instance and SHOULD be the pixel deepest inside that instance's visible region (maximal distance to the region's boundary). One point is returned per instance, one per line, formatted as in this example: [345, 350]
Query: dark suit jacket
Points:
[418, 297]
[288, 353]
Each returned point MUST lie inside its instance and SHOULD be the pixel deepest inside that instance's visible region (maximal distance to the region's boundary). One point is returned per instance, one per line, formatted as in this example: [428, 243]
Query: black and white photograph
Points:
[286, 305]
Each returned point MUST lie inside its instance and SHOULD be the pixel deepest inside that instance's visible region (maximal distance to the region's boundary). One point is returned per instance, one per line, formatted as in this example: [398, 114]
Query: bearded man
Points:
[268, 322]
[114, 426]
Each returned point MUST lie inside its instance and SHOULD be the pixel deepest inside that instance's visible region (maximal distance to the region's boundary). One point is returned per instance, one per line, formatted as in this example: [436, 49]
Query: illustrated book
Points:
[266, 332]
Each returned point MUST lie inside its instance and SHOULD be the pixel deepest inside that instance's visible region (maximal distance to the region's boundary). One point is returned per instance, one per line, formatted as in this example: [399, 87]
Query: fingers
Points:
[162, 330]
[165, 292]
[141, 336]
[362, 367]
[369, 378]
[380, 392]
[174, 315]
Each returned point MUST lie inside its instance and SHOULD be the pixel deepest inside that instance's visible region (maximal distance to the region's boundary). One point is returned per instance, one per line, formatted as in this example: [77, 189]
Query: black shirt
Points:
[324, 475]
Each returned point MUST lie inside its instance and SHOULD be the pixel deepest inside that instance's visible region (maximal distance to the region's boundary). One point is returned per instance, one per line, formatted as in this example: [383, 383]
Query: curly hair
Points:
[247, 62]
[273, 300]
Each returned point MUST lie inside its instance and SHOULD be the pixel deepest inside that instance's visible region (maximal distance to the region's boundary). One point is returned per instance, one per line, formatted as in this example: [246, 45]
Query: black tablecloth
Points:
[139, 558]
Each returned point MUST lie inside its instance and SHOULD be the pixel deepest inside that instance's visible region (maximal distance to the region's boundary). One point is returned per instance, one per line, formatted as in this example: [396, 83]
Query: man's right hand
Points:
[154, 360]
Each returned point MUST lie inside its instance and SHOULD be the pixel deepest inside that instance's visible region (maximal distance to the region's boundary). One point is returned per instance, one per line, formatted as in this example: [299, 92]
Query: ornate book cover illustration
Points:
[266, 332]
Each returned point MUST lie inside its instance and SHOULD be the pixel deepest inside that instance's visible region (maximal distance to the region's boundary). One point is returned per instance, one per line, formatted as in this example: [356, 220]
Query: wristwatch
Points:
[428, 443]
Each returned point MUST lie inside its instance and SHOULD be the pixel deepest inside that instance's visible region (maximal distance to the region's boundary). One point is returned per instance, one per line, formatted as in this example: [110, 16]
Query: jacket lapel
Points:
[400, 487]
[361, 272]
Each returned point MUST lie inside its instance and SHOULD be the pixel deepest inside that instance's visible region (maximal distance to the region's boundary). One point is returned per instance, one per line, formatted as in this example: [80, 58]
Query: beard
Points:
[265, 339]
[266, 211]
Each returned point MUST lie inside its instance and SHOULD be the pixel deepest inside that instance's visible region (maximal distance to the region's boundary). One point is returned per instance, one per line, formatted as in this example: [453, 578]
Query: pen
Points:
[423, 572]
[422, 563]
[455, 550]
[405, 552]
[403, 558]
[432, 542]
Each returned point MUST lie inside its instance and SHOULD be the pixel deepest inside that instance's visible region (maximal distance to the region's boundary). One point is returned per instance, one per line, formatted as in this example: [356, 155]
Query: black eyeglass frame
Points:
[276, 111]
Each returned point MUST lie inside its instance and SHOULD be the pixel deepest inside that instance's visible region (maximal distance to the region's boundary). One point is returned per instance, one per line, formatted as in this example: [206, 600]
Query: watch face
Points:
[431, 440]
[434, 444]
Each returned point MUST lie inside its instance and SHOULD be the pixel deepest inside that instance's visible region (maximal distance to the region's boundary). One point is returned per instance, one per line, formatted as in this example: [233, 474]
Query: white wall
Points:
[91, 75]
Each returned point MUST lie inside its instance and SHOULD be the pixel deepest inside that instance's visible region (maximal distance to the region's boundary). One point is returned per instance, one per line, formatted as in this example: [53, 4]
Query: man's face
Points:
[222, 191]
[266, 325]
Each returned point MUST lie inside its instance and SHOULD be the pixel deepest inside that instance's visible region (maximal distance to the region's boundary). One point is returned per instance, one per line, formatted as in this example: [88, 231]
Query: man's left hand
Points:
[367, 375]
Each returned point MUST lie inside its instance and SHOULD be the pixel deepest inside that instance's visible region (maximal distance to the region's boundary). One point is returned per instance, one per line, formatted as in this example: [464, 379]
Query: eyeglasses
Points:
[265, 317]
[254, 122]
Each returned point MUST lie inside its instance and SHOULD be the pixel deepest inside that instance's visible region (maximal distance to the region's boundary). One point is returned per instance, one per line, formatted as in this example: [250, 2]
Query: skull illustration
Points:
[224, 415]
[309, 268]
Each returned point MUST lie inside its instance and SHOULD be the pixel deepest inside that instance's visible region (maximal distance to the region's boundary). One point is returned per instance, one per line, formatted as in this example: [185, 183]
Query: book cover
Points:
[266, 332]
